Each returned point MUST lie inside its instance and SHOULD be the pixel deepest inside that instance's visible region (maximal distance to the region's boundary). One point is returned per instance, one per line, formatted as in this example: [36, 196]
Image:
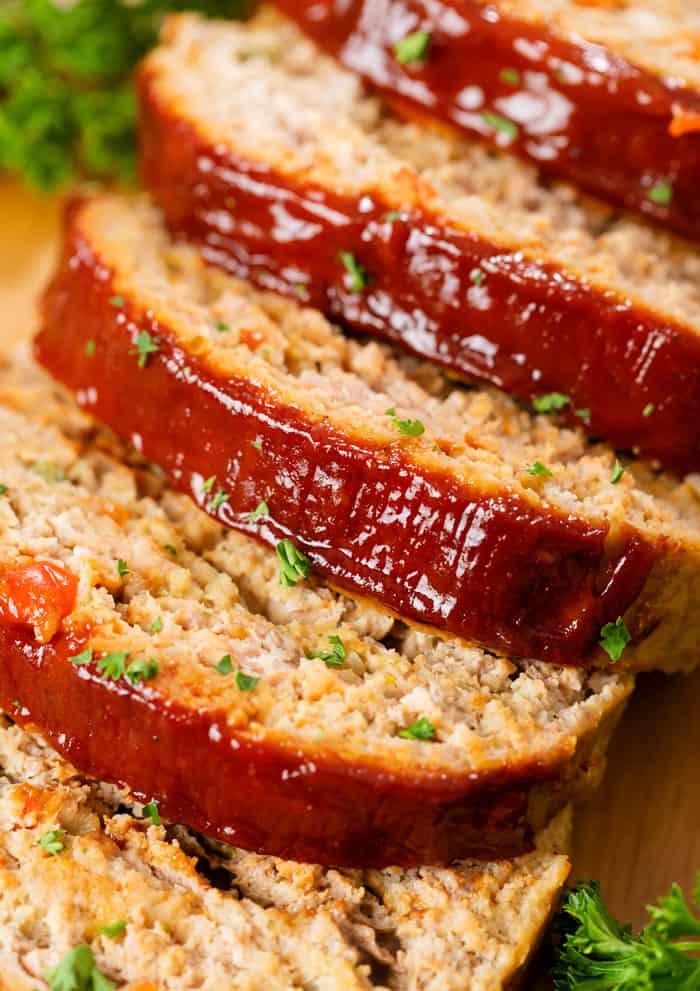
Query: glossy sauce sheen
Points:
[487, 566]
[37, 594]
[528, 327]
[581, 111]
[256, 794]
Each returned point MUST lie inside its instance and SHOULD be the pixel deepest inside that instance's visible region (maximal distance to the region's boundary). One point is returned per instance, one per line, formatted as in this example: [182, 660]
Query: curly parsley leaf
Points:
[52, 841]
[293, 564]
[614, 637]
[77, 970]
[334, 658]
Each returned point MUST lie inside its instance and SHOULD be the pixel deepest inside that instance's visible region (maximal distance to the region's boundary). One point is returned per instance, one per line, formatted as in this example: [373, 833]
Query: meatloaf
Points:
[451, 507]
[155, 648]
[275, 161]
[606, 93]
[86, 883]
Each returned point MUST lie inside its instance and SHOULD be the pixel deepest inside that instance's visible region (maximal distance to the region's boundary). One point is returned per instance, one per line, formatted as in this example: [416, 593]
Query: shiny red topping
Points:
[37, 594]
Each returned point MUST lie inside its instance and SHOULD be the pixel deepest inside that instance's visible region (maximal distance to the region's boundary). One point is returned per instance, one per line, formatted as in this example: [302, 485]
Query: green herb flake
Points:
[357, 276]
[245, 682]
[583, 414]
[114, 929]
[117, 301]
[648, 409]
[77, 970]
[90, 348]
[145, 346]
[538, 468]
[3, 490]
[550, 403]
[476, 276]
[222, 327]
[410, 428]
[224, 666]
[52, 841]
[157, 625]
[422, 729]
[614, 637]
[209, 484]
[413, 48]
[617, 472]
[219, 499]
[394, 215]
[335, 658]
[150, 811]
[510, 76]
[143, 670]
[113, 665]
[661, 193]
[262, 509]
[83, 658]
[122, 568]
[50, 472]
[293, 564]
[501, 124]
[171, 549]
[257, 444]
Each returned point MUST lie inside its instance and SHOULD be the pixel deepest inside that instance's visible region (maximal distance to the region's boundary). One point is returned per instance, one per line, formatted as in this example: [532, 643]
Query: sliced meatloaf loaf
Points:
[272, 158]
[86, 884]
[606, 94]
[155, 648]
[453, 508]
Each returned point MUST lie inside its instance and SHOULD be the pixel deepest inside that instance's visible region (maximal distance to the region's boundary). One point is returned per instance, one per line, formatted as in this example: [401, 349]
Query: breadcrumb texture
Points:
[264, 924]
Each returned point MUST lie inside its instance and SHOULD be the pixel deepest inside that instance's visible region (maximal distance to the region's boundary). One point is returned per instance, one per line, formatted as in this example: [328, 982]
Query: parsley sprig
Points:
[598, 954]
[77, 970]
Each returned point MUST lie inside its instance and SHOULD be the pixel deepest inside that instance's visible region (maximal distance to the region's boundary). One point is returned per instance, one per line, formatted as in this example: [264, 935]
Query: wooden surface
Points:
[640, 832]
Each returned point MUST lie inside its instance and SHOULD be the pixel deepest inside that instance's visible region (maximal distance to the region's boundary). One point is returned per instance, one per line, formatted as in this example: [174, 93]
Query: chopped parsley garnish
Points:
[222, 327]
[538, 468]
[614, 637]
[122, 568]
[301, 290]
[114, 929]
[90, 348]
[209, 484]
[477, 276]
[78, 971]
[49, 471]
[52, 841]
[501, 124]
[171, 549]
[157, 625]
[617, 472]
[257, 444]
[224, 666]
[411, 428]
[393, 215]
[245, 682]
[219, 499]
[648, 409]
[84, 658]
[510, 76]
[335, 658]
[583, 414]
[357, 276]
[550, 403]
[413, 48]
[422, 729]
[145, 346]
[3, 490]
[117, 301]
[142, 670]
[113, 665]
[151, 812]
[661, 193]
[293, 564]
[262, 509]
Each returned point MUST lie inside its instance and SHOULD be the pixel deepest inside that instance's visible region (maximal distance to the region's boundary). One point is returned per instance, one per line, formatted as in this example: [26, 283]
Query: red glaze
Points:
[581, 110]
[37, 594]
[261, 795]
[485, 565]
[528, 327]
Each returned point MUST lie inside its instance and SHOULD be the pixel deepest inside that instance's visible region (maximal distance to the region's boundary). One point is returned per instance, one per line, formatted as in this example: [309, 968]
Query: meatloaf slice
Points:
[158, 907]
[452, 508]
[273, 159]
[606, 94]
[157, 649]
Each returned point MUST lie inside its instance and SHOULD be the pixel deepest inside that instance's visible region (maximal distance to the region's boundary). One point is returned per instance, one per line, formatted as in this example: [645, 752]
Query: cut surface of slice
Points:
[273, 159]
[155, 648]
[453, 508]
[154, 907]
[607, 95]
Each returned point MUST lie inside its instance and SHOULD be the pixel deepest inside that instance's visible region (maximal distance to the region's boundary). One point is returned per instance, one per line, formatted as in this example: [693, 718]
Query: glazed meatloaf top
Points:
[84, 883]
[276, 161]
[157, 649]
[604, 94]
[452, 507]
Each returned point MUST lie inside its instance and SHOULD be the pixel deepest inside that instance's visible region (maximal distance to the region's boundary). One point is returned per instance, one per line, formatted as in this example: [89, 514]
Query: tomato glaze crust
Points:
[469, 559]
[583, 111]
[545, 330]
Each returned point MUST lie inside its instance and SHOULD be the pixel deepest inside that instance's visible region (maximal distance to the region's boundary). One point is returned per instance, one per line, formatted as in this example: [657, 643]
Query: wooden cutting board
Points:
[640, 832]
